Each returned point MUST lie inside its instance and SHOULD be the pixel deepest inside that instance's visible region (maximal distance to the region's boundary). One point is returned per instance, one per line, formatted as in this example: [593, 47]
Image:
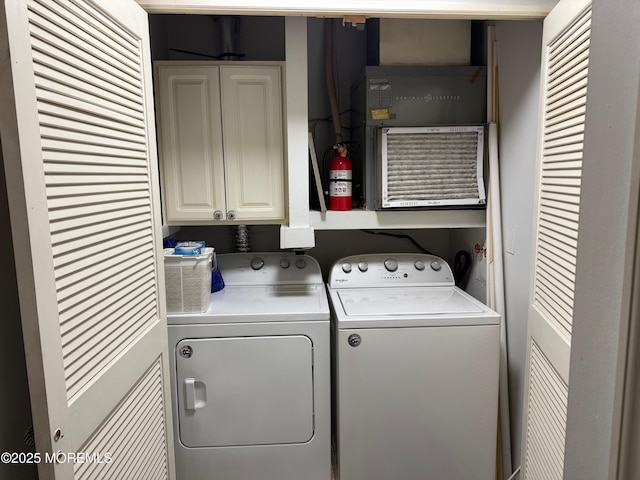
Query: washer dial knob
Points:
[257, 263]
[391, 264]
[363, 266]
[285, 263]
[435, 266]
[419, 264]
[346, 267]
[301, 263]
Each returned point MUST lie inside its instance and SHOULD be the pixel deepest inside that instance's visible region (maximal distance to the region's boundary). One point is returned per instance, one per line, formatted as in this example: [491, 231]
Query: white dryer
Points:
[251, 376]
[416, 371]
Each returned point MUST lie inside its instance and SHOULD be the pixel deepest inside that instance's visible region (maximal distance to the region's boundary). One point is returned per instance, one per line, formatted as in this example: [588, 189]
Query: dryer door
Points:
[238, 391]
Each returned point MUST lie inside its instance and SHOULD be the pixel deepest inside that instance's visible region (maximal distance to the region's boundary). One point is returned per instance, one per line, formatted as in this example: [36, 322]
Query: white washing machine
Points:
[415, 371]
[251, 376]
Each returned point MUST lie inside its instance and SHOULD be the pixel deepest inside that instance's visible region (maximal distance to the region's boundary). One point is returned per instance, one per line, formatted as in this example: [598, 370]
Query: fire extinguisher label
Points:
[340, 175]
[340, 189]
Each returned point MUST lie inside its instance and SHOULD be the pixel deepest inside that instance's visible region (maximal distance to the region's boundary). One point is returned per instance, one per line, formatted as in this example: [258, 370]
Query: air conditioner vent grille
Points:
[432, 166]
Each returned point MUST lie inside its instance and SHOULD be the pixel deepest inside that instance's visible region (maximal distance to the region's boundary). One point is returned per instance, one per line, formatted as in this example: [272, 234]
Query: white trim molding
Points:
[469, 9]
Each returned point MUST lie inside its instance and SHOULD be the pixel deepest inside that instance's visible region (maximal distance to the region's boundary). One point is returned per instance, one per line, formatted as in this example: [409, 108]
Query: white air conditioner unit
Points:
[432, 166]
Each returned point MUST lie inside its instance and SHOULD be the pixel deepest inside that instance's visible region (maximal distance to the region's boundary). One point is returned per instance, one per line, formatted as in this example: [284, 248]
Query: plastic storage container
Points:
[188, 281]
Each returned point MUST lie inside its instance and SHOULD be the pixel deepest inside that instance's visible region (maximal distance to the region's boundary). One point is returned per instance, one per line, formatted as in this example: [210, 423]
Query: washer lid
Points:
[299, 299]
[376, 302]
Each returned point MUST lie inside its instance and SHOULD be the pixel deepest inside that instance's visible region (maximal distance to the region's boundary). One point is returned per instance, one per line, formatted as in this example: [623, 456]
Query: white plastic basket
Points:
[188, 281]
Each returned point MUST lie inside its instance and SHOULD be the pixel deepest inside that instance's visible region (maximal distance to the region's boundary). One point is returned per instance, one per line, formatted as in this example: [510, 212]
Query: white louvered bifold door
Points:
[78, 139]
[564, 89]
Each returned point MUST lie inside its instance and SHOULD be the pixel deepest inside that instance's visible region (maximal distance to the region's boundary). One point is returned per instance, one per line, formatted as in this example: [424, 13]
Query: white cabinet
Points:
[221, 142]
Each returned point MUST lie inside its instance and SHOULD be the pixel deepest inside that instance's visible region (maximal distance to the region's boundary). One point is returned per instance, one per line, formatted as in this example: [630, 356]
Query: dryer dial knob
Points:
[285, 263]
[257, 263]
[301, 263]
[391, 264]
[435, 266]
[419, 264]
[363, 266]
[346, 267]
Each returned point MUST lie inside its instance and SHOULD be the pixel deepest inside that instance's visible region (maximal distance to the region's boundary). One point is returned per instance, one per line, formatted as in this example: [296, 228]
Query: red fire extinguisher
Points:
[340, 176]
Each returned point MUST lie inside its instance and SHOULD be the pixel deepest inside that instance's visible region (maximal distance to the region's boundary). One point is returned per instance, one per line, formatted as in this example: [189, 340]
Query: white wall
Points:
[519, 53]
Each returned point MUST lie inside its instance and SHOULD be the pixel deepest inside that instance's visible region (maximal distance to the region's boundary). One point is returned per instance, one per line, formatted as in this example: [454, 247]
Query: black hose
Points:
[400, 235]
[461, 265]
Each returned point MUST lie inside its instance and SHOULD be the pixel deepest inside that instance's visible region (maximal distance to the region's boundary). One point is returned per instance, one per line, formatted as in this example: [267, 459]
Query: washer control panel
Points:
[264, 268]
[394, 269]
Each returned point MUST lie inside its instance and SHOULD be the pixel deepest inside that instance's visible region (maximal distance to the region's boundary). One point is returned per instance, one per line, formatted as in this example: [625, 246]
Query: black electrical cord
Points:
[400, 235]
[461, 265]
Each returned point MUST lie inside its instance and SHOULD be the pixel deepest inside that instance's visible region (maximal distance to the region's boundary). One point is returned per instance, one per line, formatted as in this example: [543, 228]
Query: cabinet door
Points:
[254, 153]
[191, 142]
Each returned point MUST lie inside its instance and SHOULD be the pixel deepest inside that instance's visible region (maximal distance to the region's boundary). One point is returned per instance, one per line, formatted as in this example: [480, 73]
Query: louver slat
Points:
[559, 276]
[75, 120]
[78, 68]
[567, 129]
[568, 108]
[556, 225]
[562, 47]
[92, 27]
[561, 170]
[568, 118]
[111, 237]
[78, 366]
[106, 305]
[72, 105]
[75, 38]
[563, 90]
[432, 166]
[55, 81]
[75, 266]
[569, 92]
[72, 127]
[92, 123]
[573, 64]
[134, 435]
[547, 415]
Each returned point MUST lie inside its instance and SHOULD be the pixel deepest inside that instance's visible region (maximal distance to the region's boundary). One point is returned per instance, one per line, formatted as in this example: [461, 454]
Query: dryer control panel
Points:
[390, 270]
[268, 268]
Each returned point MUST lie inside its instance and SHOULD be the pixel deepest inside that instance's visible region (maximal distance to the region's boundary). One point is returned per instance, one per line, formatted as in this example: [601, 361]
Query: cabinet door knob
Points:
[218, 215]
[231, 215]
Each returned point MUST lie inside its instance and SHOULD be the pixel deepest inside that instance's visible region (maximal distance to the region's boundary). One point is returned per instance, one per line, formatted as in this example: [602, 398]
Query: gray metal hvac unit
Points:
[385, 100]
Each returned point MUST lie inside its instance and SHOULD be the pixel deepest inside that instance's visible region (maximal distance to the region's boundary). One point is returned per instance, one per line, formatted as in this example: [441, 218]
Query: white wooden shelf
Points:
[403, 219]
